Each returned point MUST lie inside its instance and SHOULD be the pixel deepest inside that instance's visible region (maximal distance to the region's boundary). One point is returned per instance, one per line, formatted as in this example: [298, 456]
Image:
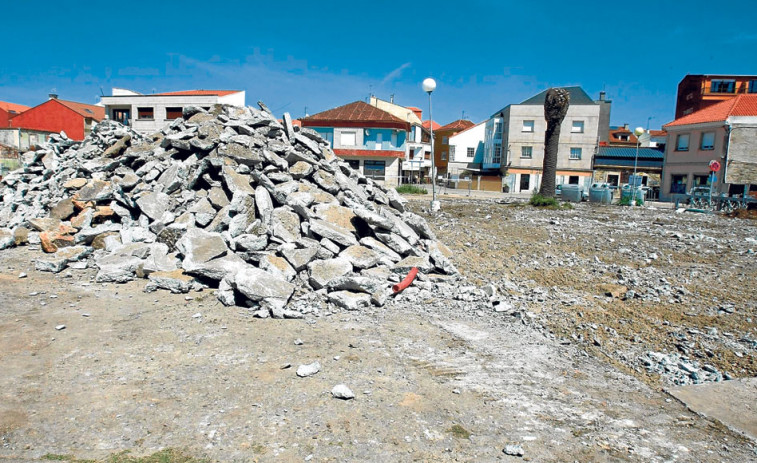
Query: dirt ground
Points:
[145, 371]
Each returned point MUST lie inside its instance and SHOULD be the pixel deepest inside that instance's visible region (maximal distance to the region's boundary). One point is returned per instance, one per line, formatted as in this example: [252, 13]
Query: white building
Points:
[514, 141]
[418, 144]
[466, 150]
[149, 113]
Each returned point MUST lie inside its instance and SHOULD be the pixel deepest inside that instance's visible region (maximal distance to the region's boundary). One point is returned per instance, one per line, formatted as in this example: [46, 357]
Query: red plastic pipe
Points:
[406, 282]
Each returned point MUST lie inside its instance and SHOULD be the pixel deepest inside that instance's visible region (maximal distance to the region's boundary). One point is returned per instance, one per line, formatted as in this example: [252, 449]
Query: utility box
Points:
[600, 193]
[572, 193]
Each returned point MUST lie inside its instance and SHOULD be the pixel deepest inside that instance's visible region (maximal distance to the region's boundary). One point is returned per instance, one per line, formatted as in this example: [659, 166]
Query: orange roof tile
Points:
[13, 107]
[459, 124]
[199, 93]
[426, 124]
[87, 110]
[658, 133]
[742, 105]
[359, 111]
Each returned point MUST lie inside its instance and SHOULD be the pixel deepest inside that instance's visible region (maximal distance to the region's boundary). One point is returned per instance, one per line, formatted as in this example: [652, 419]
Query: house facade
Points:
[370, 139]
[149, 113]
[725, 132]
[467, 156]
[9, 111]
[54, 116]
[514, 141]
[698, 91]
[442, 148]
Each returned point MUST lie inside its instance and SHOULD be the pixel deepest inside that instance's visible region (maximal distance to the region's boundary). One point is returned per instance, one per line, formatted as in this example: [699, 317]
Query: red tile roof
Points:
[357, 112]
[87, 110]
[426, 124]
[658, 133]
[460, 124]
[199, 93]
[742, 105]
[413, 108]
[369, 153]
[17, 108]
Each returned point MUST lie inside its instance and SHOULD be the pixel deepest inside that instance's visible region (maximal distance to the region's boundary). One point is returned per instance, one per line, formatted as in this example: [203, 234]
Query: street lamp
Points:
[638, 131]
[429, 85]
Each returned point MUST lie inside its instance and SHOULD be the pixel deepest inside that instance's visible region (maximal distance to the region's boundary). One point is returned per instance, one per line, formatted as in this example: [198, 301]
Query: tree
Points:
[555, 107]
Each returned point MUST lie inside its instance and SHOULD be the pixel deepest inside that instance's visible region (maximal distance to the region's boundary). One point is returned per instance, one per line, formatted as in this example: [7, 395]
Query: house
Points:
[698, 91]
[442, 150]
[466, 158]
[149, 113]
[725, 132]
[615, 165]
[9, 111]
[370, 139]
[620, 136]
[514, 141]
[417, 162]
[34, 126]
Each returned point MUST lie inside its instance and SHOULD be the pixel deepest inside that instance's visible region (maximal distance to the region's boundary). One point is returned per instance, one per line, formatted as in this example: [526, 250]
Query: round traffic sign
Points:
[714, 166]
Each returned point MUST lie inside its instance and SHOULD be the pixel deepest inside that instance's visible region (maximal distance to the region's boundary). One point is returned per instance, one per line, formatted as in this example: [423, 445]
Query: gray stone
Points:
[257, 285]
[278, 266]
[360, 256]
[310, 369]
[373, 219]
[216, 269]
[300, 258]
[250, 242]
[154, 204]
[514, 450]
[6, 238]
[300, 170]
[349, 300]
[285, 224]
[357, 283]
[321, 272]
[225, 293]
[332, 232]
[380, 247]
[117, 268]
[199, 246]
[395, 243]
[176, 281]
[341, 391]
[241, 154]
[418, 224]
[406, 264]
[204, 211]
[58, 261]
[308, 143]
[218, 198]
[237, 183]
[264, 204]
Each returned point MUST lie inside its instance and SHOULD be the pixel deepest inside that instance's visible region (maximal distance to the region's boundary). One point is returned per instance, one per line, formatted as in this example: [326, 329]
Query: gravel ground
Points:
[541, 362]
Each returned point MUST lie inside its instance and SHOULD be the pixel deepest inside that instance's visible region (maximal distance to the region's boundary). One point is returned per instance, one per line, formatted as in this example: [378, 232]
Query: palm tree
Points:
[555, 107]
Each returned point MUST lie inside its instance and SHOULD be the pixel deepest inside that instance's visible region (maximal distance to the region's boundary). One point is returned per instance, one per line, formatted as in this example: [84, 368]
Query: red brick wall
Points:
[51, 116]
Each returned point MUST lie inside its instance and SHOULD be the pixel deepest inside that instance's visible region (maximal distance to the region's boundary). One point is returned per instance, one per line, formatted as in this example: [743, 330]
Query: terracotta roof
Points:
[87, 110]
[359, 111]
[460, 124]
[469, 128]
[413, 108]
[658, 133]
[742, 105]
[198, 93]
[13, 107]
[616, 132]
[426, 124]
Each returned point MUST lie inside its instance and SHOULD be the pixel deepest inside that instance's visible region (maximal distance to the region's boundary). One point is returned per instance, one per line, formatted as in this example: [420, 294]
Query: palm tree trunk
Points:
[555, 107]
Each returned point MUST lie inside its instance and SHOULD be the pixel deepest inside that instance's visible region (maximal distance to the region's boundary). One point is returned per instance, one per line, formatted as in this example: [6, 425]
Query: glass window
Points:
[354, 163]
[701, 180]
[723, 86]
[752, 86]
[444, 155]
[573, 180]
[445, 140]
[678, 183]
[682, 142]
[525, 180]
[348, 138]
[374, 169]
[708, 141]
[528, 126]
[145, 113]
[526, 151]
[470, 152]
[497, 154]
[122, 116]
[173, 113]
[578, 127]
[575, 153]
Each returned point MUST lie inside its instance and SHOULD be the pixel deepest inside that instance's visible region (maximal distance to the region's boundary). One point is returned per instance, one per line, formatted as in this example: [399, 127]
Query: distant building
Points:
[514, 141]
[370, 139]
[615, 165]
[442, 150]
[9, 111]
[725, 132]
[33, 126]
[466, 160]
[698, 91]
[149, 113]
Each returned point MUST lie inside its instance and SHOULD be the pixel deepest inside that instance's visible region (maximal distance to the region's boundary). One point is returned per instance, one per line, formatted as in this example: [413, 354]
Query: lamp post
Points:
[638, 131]
[429, 85]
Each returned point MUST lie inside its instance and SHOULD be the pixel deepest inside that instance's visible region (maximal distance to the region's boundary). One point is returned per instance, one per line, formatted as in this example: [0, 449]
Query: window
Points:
[498, 130]
[354, 163]
[752, 86]
[578, 127]
[146, 113]
[525, 181]
[677, 184]
[623, 137]
[573, 180]
[445, 140]
[497, 154]
[723, 86]
[451, 153]
[682, 142]
[470, 152]
[374, 169]
[701, 180]
[444, 155]
[613, 179]
[348, 138]
[708, 141]
[528, 126]
[526, 151]
[575, 153]
[122, 116]
[173, 112]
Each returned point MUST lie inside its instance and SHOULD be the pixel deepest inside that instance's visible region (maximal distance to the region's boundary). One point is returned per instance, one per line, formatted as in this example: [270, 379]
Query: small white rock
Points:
[60, 327]
[308, 370]
[340, 391]
[22, 275]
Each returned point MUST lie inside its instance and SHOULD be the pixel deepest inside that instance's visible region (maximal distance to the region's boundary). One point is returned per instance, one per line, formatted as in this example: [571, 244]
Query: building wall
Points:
[694, 92]
[52, 116]
[159, 105]
[392, 168]
[695, 161]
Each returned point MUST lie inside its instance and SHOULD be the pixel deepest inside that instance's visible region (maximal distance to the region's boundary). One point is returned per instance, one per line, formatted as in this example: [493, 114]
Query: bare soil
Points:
[144, 371]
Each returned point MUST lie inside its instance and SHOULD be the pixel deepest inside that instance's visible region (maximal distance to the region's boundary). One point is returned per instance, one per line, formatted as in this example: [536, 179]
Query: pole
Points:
[635, 159]
[433, 163]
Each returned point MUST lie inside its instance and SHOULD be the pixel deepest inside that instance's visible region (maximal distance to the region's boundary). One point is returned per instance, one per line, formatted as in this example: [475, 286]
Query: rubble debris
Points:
[230, 199]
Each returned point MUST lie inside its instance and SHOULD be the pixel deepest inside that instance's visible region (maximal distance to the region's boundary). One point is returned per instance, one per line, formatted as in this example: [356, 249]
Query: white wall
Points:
[470, 138]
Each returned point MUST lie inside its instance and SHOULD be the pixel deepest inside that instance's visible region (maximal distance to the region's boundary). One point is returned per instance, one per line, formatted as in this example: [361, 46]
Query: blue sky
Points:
[317, 55]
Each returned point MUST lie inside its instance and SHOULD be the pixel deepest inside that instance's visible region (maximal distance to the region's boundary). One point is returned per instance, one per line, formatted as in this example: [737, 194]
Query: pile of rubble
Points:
[229, 198]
